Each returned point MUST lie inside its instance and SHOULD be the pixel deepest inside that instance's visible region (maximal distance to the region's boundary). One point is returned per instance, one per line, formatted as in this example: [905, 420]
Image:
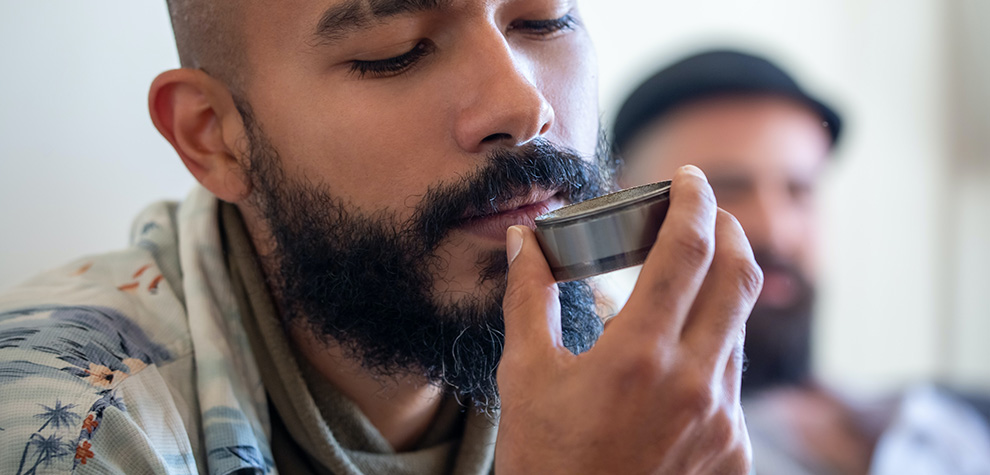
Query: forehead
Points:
[757, 133]
[275, 31]
[291, 20]
[302, 18]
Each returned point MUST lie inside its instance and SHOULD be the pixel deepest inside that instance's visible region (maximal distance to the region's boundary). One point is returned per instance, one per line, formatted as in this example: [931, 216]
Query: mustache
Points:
[508, 174]
[771, 261]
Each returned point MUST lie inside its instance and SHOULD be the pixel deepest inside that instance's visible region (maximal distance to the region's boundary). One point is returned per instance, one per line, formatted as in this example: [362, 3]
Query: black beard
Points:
[778, 340]
[365, 282]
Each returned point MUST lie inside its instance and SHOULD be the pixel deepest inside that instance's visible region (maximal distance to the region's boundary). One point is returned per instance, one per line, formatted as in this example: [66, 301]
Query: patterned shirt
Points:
[133, 361]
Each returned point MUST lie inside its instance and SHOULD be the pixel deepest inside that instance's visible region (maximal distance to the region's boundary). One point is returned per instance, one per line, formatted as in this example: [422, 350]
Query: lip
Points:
[520, 211]
[779, 289]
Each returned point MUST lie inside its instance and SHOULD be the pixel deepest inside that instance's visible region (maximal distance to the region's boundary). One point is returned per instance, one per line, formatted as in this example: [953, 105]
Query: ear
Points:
[196, 114]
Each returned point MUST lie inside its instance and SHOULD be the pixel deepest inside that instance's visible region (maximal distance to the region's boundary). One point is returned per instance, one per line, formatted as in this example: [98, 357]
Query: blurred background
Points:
[906, 284]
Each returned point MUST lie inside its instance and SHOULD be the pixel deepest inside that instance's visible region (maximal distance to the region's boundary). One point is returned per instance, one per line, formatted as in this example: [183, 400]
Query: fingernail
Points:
[513, 243]
[694, 171]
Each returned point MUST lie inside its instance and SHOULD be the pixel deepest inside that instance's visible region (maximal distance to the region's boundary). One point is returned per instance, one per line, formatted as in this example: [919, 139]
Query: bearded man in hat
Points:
[764, 143]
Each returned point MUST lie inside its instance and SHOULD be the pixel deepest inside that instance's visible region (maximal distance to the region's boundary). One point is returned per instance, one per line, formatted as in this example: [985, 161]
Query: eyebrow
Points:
[352, 15]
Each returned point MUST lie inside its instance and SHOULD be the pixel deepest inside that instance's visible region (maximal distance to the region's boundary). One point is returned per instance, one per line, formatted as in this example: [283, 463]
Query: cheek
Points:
[812, 245]
[569, 81]
[648, 166]
[375, 147]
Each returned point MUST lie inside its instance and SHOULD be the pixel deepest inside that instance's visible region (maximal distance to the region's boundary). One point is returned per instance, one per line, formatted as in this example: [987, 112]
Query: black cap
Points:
[709, 74]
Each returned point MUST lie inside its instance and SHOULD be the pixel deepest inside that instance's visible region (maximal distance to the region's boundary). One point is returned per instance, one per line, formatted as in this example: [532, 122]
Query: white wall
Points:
[907, 262]
[968, 282]
[79, 156]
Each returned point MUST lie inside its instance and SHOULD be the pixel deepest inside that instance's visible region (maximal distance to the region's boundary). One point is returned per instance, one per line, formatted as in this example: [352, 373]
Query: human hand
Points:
[659, 392]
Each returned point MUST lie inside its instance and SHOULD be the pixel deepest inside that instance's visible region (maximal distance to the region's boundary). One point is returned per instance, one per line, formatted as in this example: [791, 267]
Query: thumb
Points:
[531, 306]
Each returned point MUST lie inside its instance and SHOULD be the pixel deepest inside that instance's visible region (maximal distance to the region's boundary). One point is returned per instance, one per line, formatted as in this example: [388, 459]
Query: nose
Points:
[772, 224]
[502, 105]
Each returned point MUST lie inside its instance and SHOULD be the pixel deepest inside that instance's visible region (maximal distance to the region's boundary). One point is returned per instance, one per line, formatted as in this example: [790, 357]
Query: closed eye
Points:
[546, 28]
[388, 67]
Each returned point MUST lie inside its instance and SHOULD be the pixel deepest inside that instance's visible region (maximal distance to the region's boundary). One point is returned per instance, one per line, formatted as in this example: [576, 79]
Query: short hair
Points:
[207, 37]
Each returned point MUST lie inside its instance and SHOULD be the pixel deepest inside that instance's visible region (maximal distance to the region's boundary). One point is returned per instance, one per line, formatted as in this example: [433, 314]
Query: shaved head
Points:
[207, 37]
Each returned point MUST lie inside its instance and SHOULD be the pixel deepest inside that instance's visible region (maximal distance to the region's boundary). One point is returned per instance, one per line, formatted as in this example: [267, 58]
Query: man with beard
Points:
[764, 142]
[355, 287]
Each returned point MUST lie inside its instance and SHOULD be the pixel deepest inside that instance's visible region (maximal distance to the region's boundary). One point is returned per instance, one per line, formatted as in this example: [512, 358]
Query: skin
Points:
[382, 142]
[764, 157]
[659, 392]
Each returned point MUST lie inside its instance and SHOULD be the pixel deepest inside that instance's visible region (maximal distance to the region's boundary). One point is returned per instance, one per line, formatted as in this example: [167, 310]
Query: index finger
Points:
[679, 260]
